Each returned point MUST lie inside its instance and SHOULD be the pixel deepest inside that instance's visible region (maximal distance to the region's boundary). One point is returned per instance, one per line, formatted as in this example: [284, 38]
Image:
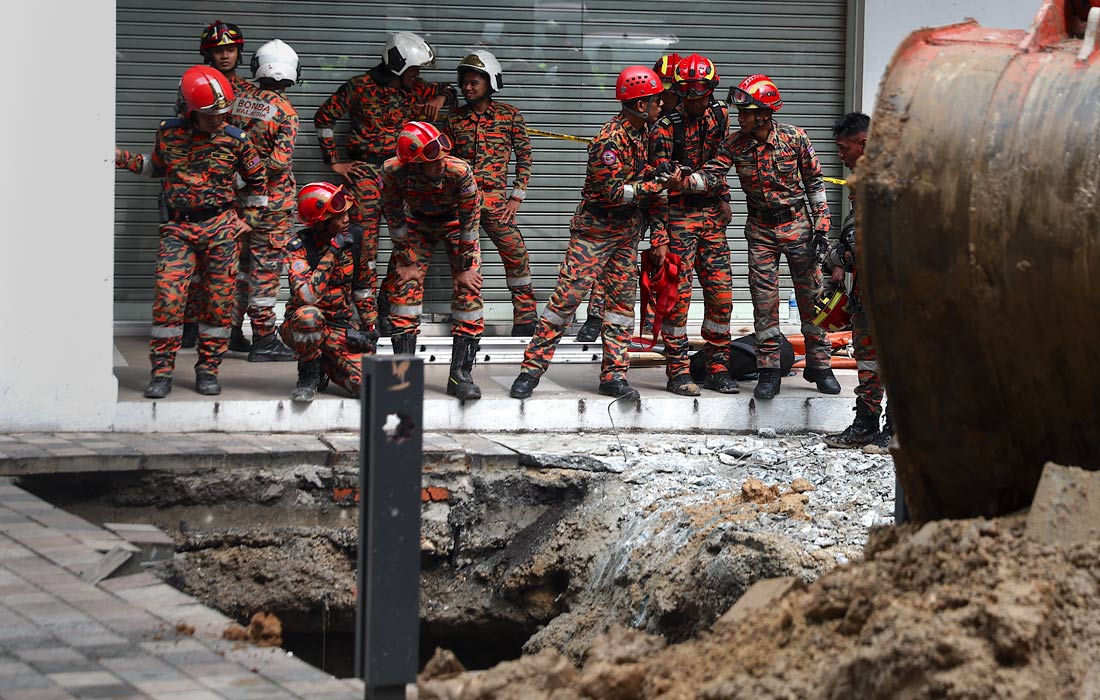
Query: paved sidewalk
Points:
[131, 637]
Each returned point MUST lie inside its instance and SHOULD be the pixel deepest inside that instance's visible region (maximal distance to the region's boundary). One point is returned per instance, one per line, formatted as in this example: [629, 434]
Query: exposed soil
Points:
[957, 610]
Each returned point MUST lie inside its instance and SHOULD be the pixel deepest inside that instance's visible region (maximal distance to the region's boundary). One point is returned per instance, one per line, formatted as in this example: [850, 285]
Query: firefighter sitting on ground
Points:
[320, 319]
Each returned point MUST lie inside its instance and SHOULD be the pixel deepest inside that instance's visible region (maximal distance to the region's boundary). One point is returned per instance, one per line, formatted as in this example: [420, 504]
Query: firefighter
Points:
[589, 331]
[320, 318]
[485, 133]
[778, 169]
[431, 197]
[378, 103]
[221, 46]
[200, 157]
[850, 135]
[271, 123]
[618, 194]
[689, 137]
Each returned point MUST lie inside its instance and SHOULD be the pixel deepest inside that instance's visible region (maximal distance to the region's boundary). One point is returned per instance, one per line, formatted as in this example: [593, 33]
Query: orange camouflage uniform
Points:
[421, 213]
[271, 123]
[486, 141]
[604, 236]
[320, 311]
[199, 172]
[377, 112]
[697, 233]
[777, 176]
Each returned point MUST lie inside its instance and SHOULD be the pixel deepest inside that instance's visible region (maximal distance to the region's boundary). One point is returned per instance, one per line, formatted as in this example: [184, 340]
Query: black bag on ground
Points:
[743, 359]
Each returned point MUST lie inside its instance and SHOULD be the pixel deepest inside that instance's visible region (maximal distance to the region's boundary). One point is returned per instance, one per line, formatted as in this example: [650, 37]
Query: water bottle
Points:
[793, 314]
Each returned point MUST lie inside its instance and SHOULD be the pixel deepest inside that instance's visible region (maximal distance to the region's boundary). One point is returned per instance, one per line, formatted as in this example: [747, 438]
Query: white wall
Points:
[887, 22]
[57, 235]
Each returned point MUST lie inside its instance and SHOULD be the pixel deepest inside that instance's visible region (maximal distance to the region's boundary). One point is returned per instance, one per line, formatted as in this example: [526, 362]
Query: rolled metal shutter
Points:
[560, 59]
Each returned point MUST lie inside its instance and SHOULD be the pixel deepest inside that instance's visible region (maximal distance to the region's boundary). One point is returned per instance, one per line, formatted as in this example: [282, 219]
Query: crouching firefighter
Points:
[321, 324]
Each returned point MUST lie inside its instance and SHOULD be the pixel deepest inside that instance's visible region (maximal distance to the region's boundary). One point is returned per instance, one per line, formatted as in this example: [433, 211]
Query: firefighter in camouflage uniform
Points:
[378, 103]
[221, 46]
[321, 322]
[271, 123]
[431, 197]
[589, 331]
[696, 224]
[778, 170]
[200, 157]
[618, 196]
[485, 133]
[850, 134]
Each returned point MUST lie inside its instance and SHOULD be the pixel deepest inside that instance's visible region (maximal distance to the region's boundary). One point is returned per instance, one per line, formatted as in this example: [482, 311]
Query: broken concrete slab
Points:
[106, 565]
[1066, 507]
[760, 595]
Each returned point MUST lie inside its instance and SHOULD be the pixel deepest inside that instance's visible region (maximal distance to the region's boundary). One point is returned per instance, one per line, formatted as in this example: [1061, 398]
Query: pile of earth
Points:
[955, 610]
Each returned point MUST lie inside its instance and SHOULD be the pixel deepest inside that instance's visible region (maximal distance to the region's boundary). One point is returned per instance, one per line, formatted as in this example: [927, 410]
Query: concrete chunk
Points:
[760, 595]
[1066, 507]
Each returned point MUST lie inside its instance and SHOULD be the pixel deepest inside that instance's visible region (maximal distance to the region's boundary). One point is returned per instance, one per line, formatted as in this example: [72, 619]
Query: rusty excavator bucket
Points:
[979, 223]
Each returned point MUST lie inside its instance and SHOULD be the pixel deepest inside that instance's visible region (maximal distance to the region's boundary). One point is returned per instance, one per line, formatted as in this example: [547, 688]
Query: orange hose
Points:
[834, 362]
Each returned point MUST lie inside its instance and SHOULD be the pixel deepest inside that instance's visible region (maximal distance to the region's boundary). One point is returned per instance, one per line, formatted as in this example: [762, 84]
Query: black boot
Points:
[862, 431]
[403, 343]
[270, 348]
[309, 380]
[523, 330]
[721, 382]
[460, 382]
[681, 385]
[385, 326]
[590, 331]
[768, 383]
[881, 444]
[158, 387]
[523, 385]
[618, 388]
[206, 383]
[190, 335]
[823, 377]
[237, 341]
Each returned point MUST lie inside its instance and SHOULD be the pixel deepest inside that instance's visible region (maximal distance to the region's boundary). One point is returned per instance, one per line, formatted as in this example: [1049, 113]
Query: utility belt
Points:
[196, 215]
[617, 214]
[357, 153]
[774, 217]
[693, 200]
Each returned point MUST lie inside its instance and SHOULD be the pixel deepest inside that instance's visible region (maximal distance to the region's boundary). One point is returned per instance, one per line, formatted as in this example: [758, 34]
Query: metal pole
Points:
[390, 462]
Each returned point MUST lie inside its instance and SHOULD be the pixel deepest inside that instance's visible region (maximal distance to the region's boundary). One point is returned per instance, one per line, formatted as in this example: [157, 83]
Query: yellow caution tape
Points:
[835, 181]
[555, 135]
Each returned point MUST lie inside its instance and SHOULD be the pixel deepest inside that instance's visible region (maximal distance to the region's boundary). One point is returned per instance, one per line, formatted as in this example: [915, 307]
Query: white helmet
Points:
[277, 61]
[485, 63]
[406, 50]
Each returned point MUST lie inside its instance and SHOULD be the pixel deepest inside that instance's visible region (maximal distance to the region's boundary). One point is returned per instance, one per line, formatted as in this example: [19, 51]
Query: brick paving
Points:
[63, 637]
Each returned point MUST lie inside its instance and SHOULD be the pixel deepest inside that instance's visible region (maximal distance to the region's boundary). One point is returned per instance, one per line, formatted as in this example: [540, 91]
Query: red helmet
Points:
[636, 82]
[322, 200]
[831, 312]
[421, 142]
[695, 76]
[204, 90]
[220, 34]
[756, 92]
[665, 67]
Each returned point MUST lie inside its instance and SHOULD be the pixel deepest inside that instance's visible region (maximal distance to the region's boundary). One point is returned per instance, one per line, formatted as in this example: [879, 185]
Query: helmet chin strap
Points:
[636, 113]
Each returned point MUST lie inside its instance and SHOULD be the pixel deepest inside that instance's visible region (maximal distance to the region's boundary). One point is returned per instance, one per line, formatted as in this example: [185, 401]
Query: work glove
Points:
[341, 241]
[361, 341]
[821, 245]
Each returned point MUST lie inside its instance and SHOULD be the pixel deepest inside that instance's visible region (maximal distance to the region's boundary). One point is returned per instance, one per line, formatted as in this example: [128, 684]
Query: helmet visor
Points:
[435, 148]
[338, 203]
[695, 88]
[741, 99]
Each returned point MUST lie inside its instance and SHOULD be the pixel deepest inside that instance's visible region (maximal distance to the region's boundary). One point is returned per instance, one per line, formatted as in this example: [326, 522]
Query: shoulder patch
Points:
[299, 265]
[172, 123]
[609, 157]
[235, 132]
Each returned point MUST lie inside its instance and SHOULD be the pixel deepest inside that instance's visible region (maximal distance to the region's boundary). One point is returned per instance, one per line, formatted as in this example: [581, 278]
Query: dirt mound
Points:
[957, 610]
